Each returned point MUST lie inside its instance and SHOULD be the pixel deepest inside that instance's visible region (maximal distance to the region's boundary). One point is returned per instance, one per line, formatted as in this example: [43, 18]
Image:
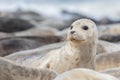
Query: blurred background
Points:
[97, 9]
[28, 24]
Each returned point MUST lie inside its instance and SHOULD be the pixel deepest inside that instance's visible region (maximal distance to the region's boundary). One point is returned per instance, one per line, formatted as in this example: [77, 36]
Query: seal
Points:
[113, 71]
[104, 47]
[15, 44]
[11, 71]
[107, 60]
[78, 51]
[84, 74]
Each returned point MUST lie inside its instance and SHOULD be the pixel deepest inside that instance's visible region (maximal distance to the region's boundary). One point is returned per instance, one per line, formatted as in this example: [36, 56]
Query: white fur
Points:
[84, 74]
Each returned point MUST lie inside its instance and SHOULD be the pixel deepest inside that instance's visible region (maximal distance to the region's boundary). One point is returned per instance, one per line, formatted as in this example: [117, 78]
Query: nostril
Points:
[72, 32]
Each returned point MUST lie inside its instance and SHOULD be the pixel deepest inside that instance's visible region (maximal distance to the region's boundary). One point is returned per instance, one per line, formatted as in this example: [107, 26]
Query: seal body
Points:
[113, 71]
[108, 60]
[79, 50]
[11, 71]
[84, 74]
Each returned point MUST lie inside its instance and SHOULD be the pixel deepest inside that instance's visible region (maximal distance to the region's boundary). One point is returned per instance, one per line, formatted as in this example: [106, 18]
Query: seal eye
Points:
[85, 27]
[71, 27]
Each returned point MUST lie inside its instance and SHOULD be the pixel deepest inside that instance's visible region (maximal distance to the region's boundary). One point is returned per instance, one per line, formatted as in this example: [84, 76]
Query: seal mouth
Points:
[76, 39]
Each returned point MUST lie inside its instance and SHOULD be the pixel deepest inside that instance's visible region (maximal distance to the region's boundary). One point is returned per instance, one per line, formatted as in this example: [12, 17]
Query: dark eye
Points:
[71, 27]
[85, 27]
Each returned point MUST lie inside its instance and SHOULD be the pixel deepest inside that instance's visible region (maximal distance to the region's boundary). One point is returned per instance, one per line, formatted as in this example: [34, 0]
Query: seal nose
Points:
[72, 32]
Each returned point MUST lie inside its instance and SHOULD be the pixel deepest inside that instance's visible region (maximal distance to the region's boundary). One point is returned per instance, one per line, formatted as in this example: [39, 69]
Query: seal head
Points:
[82, 30]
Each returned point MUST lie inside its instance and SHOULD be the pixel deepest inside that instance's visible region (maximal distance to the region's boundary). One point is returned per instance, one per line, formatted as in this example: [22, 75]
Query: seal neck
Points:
[86, 52]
